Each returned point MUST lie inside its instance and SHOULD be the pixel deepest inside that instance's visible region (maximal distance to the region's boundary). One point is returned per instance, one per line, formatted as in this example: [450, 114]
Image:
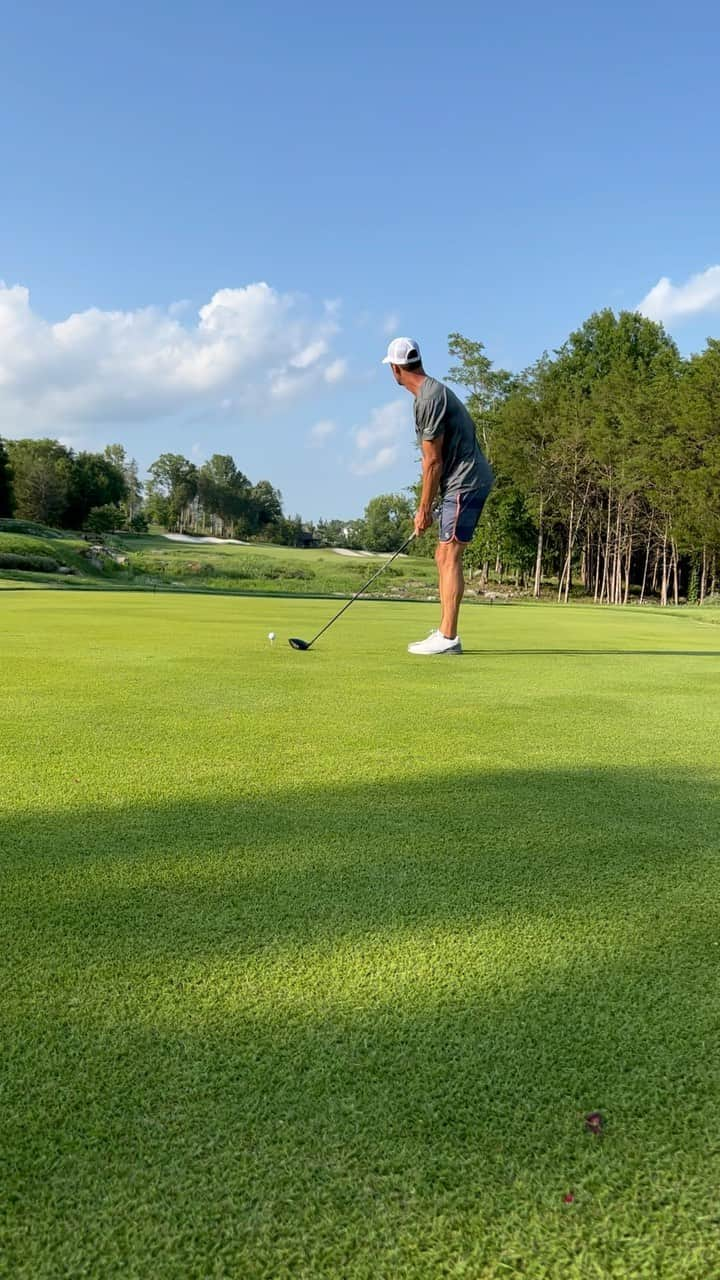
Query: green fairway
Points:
[314, 963]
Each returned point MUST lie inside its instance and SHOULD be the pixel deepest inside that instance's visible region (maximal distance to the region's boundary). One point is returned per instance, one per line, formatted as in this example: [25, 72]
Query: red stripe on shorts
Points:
[457, 517]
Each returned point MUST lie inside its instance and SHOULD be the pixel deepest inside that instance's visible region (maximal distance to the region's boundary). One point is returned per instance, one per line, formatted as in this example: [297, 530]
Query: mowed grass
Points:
[314, 963]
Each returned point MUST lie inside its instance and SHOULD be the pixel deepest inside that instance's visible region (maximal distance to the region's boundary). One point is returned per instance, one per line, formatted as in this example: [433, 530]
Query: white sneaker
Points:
[436, 643]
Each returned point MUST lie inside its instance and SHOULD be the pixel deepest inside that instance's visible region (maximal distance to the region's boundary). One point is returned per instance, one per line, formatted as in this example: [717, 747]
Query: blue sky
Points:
[498, 170]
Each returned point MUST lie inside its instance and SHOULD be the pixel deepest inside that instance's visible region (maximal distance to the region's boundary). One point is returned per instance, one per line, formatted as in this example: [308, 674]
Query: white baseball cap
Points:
[403, 351]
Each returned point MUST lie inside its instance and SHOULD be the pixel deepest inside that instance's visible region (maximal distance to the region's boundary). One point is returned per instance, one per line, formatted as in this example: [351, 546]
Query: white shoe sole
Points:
[437, 653]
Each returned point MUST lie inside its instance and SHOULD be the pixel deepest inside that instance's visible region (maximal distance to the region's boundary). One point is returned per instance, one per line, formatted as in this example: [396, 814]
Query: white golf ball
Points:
[271, 635]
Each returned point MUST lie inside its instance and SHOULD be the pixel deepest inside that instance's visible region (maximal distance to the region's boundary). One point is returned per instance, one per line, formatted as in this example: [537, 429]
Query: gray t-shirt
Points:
[439, 412]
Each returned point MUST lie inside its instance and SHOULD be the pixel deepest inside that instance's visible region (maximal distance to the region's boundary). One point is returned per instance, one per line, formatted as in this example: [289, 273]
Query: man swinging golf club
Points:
[456, 482]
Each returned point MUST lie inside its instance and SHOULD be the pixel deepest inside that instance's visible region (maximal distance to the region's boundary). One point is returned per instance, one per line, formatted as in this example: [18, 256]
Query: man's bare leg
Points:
[441, 582]
[449, 558]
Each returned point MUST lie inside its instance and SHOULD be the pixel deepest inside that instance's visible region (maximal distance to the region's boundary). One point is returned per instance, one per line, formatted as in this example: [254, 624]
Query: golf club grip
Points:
[369, 583]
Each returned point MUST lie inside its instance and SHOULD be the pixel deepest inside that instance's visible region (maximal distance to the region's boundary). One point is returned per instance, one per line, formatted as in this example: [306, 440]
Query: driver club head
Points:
[298, 644]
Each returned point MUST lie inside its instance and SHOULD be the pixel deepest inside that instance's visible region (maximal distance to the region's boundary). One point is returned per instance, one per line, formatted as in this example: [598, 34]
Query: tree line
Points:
[48, 483]
[45, 482]
[607, 457]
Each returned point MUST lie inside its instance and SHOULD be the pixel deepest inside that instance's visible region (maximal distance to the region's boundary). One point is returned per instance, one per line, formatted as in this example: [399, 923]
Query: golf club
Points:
[307, 644]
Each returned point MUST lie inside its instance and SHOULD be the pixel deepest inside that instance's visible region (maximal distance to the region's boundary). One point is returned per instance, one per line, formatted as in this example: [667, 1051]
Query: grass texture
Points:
[313, 963]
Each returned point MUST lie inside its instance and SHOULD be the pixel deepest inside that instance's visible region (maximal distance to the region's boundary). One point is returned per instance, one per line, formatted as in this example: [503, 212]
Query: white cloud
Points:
[380, 461]
[310, 355]
[245, 347]
[378, 442]
[321, 432]
[336, 371]
[667, 301]
[286, 385]
[391, 324]
[78, 440]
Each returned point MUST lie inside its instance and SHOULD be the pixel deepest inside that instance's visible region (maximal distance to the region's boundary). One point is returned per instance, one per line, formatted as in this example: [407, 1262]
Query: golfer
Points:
[456, 482]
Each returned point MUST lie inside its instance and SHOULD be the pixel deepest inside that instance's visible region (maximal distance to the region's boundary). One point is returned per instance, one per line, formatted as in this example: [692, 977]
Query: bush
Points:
[31, 529]
[279, 572]
[243, 570]
[40, 564]
[143, 563]
[229, 568]
[194, 569]
[104, 519]
[365, 570]
[139, 523]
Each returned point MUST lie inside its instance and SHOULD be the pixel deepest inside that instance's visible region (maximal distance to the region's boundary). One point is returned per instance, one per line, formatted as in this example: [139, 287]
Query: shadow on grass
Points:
[595, 653]
[353, 1031]
[313, 862]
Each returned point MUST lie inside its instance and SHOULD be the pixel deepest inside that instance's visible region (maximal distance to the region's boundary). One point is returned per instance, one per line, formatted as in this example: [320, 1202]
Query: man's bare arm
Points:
[431, 475]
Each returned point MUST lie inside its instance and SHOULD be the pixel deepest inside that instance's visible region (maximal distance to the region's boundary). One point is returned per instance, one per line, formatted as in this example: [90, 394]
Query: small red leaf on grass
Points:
[569, 1198]
[594, 1123]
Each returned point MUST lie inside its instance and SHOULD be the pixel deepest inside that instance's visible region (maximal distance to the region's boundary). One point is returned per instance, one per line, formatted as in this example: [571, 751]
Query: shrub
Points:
[365, 570]
[104, 519]
[194, 569]
[40, 564]
[31, 529]
[254, 569]
[229, 568]
[303, 574]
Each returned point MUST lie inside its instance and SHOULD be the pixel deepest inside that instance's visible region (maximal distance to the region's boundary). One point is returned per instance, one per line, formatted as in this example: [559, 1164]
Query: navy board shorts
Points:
[458, 515]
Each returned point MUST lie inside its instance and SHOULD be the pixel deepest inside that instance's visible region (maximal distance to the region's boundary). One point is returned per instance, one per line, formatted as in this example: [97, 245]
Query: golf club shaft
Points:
[369, 583]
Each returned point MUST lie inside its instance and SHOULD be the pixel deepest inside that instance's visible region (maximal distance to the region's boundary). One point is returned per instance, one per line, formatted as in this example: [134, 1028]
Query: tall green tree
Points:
[224, 494]
[504, 540]
[485, 385]
[292, 531]
[7, 496]
[332, 533]
[94, 481]
[622, 370]
[525, 446]
[590, 437]
[118, 455]
[173, 487]
[388, 521]
[41, 478]
[265, 506]
[157, 508]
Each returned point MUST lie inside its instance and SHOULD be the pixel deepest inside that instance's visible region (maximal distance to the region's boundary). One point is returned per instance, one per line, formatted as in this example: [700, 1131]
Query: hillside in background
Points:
[32, 554]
